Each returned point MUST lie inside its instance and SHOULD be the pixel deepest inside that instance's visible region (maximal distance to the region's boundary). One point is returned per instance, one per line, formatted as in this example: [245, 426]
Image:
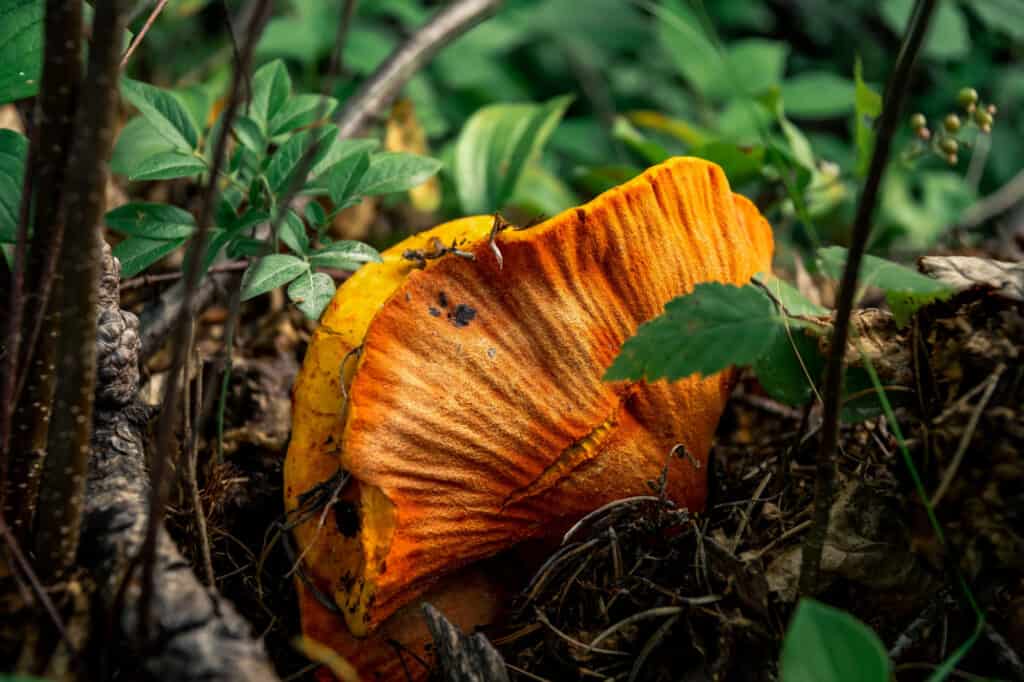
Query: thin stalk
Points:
[895, 93]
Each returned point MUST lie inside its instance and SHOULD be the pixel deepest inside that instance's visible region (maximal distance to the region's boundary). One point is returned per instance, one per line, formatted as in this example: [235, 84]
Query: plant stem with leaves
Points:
[824, 486]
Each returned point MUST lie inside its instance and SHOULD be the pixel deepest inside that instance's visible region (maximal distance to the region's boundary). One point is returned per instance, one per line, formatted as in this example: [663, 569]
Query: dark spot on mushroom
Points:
[462, 315]
[491, 353]
[407, 296]
[347, 518]
[434, 312]
[442, 299]
[581, 215]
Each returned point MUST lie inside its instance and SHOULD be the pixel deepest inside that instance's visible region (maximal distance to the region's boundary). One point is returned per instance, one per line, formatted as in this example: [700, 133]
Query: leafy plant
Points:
[285, 145]
[824, 644]
[766, 325]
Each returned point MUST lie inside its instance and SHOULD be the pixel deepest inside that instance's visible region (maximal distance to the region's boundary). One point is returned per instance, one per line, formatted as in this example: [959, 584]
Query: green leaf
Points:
[271, 272]
[137, 253]
[163, 110]
[311, 293]
[739, 164]
[315, 215]
[13, 148]
[139, 139]
[167, 165]
[286, 160]
[683, 39]
[345, 255]
[798, 144]
[714, 327]
[293, 233]
[494, 148]
[818, 94]
[152, 221]
[824, 644]
[788, 366]
[650, 152]
[792, 300]
[948, 36]
[271, 88]
[249, 134]
[867, 107]
[343, 180]
[300, 111]
[755, 65]
[396, 172]
[905, 290]
[1001, 16]
[337, 151]
[21, 48]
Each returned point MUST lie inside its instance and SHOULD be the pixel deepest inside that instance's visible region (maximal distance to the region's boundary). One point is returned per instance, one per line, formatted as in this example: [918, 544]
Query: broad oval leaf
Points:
[271, 88]
[152, 221]
[21, 48]
[250, 135]
[817, 94]
[345, 255]
[286, 160]
[293, 233]
[138, 139]
[13, 147]
[271, 272]
[343, 180]
[396, 172]
[311, 293]
[166, 166]
[824, 644]
[494, 148]
[299, 111]
[137, 253]
[162, 109]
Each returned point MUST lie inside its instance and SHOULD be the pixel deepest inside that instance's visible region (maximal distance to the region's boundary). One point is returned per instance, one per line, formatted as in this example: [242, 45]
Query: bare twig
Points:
[68, 446]
[379, 90]
[142, 33]
[151, 280]
[1002, 200]
[169, 412]
[895, 93]
[965, 439]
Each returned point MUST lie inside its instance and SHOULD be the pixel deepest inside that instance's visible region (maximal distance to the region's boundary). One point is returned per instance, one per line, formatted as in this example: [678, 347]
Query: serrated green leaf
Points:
[494, 148]
[788, 366]
[867, 107]
[311, 293]
[162, 109]
[792, 300]
[343, 180]
[713, 327]
[824, 644]
[271, 272]
[286, 160]
[166, 166]
[21, 48]
[396, 172]
[905, 290]
[152, 221]
[345, 255]
[271, 88]
[293, 233]
[137, 253]
[300, 111]
[13, 148]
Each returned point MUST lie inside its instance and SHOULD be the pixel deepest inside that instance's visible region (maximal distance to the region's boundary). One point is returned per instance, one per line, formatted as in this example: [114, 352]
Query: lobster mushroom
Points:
[462, 395]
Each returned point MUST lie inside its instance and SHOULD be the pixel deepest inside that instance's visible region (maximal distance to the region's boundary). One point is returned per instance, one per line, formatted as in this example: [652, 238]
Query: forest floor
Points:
[673, 595]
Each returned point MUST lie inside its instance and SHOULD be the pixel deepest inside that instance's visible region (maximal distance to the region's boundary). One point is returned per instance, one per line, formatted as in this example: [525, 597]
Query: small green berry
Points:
[918, 121]
[967, 97]
[983, 119]
[949, 145]
[952, 123]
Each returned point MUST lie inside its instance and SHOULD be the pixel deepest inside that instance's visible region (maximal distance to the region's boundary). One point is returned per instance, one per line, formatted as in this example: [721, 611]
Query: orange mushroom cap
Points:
[475, 415]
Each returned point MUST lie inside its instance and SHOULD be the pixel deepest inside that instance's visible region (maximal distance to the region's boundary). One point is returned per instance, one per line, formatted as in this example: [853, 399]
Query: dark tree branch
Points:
[168, 420]
[379, 90]
[63, 486]
[35, 359]
[895, 93]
